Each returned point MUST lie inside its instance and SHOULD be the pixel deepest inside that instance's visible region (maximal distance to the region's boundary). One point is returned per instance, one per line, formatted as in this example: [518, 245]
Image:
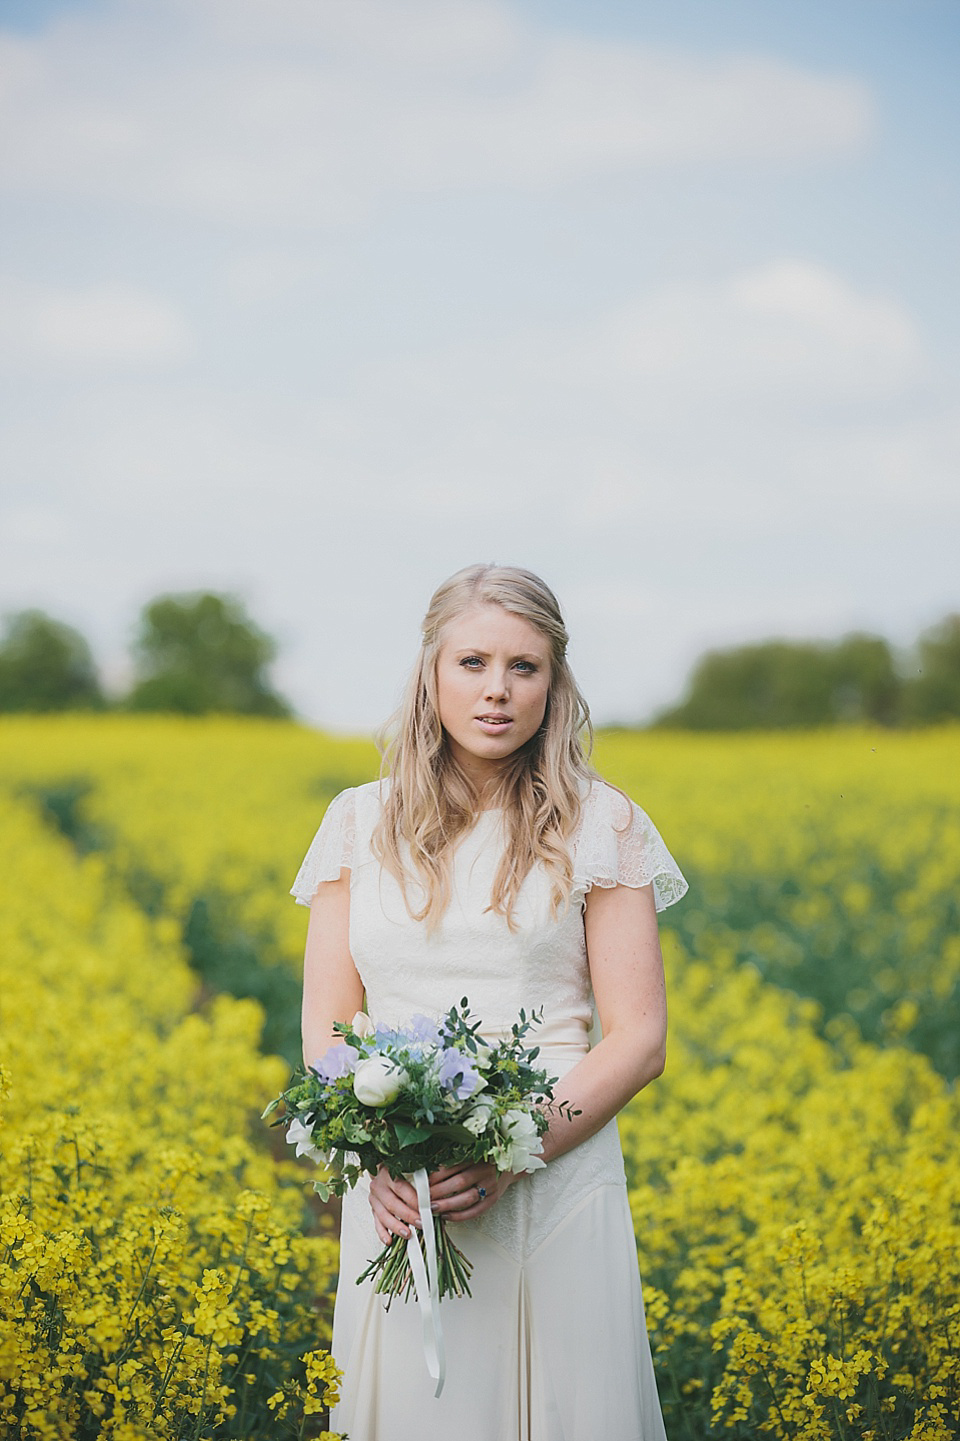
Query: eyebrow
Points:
[485, 654]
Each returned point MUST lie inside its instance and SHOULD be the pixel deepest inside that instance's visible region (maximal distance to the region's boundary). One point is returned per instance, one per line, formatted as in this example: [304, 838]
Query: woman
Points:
[494, 864]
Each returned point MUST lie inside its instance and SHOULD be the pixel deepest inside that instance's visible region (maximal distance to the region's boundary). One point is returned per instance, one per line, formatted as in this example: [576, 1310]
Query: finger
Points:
[474, 1176]
[399, 1207]
[404, 1192]
[393, 1225]
[464, 1201]
[472, 1210]
[455, 1217]
[443, 1172]
[444, 1189]
[396, 1201]
[391, 1211]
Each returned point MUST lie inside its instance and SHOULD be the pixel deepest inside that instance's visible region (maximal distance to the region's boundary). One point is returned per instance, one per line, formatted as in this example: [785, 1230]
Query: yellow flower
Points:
[795, 1187]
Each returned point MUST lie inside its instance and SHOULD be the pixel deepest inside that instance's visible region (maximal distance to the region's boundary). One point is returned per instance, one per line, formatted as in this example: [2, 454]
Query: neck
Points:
[484, 776]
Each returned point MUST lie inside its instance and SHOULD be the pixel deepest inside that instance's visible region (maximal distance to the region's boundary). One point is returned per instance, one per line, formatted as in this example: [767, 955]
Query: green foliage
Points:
[865, 683]
[198, 653]
[46, 666]
[791, 683]
[229, 958]
[933, 694]
[62, 803]
[780, 684]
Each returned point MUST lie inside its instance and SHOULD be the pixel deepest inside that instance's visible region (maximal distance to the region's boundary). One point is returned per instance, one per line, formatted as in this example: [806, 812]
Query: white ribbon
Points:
[427, 1284]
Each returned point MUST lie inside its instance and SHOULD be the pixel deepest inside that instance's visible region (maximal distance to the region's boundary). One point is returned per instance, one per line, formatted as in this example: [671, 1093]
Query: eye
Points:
[527, 666]
[471, 662]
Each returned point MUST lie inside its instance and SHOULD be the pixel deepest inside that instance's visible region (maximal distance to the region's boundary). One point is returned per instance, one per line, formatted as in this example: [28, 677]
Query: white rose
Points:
[378, 1080]
[523, 1144]
[361, 1025]
[301, 1136]
[479, 1118]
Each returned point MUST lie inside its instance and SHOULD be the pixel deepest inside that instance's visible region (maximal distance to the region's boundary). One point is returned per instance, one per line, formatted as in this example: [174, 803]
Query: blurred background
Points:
[310, 304]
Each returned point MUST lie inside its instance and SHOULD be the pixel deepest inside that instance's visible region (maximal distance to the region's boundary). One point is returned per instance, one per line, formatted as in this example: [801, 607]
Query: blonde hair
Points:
[431, 802]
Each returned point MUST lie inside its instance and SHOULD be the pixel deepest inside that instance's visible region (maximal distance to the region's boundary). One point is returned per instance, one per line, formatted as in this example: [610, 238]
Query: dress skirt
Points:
[552, 1344]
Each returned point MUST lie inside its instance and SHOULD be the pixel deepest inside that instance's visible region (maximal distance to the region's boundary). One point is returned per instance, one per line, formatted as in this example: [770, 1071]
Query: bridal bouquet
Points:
[427, 1095]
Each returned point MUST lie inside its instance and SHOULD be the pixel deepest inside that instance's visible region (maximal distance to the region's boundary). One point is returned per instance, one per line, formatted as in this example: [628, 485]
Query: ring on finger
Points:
[482, 1192]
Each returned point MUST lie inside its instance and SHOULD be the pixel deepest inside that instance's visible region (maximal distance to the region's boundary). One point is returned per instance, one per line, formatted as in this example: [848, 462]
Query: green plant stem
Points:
[394, 1277]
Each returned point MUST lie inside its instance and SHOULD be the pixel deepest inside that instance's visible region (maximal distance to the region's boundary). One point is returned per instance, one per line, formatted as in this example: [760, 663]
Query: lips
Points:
[494, 725]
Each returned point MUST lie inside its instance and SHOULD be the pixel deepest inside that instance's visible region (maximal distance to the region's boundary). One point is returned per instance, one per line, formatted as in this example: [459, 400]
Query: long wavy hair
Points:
[431, 802]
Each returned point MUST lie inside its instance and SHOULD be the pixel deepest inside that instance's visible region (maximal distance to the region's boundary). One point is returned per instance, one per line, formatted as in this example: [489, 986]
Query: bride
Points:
[492, 862]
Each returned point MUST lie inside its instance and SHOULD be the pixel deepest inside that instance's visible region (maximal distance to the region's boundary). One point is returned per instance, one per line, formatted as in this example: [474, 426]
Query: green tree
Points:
[933, 692]
[46, 666]
[200, 652]
[866, 685]
[777, 684]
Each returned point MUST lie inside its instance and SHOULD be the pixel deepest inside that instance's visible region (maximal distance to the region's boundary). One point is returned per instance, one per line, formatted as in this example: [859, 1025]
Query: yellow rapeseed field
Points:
[794, 1175]
[156, 1280]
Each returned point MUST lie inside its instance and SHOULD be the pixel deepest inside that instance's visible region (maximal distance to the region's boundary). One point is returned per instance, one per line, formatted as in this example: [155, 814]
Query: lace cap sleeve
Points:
[330, 850]
[617, 844]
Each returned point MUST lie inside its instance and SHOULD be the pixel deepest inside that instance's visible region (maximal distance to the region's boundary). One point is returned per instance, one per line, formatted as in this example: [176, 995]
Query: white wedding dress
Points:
[552, 1345]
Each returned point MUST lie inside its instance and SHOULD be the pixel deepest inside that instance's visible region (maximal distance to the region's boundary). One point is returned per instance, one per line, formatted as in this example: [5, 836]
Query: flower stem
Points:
[392, 1276]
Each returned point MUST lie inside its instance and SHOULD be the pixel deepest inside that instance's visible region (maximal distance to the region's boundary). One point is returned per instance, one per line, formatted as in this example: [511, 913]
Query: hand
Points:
[455, 1190]
[394, 1206]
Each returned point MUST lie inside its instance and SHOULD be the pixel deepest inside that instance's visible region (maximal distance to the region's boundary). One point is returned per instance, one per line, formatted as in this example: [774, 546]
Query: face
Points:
[493, 678]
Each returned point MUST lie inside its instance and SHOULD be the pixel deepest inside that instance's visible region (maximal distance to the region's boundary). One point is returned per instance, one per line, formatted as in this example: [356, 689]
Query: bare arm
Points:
[332, 989]
[626, 970]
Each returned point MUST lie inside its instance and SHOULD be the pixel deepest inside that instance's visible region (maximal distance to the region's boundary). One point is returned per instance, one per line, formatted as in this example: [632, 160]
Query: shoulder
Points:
[607, 818]
[376, 789]
[357, 800]
[616, 843]
[371, 793]
[354, 813]
[603, 804]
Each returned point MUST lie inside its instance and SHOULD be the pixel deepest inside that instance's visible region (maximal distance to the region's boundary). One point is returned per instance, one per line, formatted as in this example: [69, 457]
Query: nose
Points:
[497, 688]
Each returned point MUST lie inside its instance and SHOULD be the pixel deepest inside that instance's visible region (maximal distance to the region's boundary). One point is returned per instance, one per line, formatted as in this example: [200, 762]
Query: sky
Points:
[314, 302]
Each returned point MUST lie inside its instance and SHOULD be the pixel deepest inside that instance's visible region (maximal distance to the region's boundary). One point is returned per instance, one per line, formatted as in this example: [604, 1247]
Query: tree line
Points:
[194, 654]
[778, 684]
[201, 652]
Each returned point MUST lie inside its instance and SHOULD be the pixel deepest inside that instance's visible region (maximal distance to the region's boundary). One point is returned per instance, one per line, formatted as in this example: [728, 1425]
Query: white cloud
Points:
[820, 302]
[462, 36]
[289, 114]
[728, 380]
[104, 325]
[789, 330]
[774, 377]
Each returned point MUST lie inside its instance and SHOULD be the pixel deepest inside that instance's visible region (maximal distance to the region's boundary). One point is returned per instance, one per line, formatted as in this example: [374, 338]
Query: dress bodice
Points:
[539, 964]
[473, 952]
